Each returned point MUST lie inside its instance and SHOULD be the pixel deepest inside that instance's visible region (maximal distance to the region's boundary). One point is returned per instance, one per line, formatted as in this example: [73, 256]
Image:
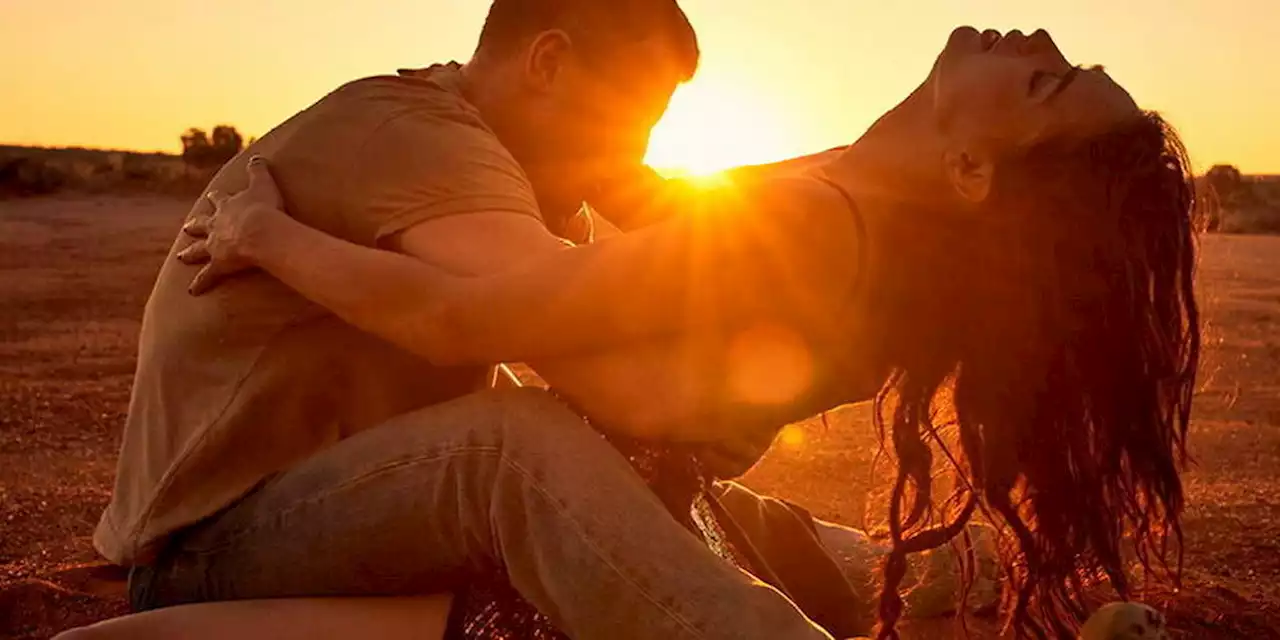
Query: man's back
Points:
[247, 380]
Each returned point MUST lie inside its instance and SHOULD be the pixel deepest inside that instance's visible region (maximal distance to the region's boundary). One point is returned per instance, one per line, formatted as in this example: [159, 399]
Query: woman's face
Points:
[994, 94]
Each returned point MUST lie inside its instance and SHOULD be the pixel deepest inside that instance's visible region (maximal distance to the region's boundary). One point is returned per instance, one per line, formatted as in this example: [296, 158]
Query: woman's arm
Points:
[705, 386]
[699, 387]
[640, 197]
[783, 253]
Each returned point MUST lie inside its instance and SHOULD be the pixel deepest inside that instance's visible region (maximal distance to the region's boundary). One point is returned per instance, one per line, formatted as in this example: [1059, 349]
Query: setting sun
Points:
[711, 127]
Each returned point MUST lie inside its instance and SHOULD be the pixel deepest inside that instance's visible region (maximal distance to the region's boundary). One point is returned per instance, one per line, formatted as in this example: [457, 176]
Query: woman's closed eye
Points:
[1046, 84]
[1041, 79]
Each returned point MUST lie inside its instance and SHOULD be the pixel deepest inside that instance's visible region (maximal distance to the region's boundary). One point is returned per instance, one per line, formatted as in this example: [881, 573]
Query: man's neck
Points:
[484, 88]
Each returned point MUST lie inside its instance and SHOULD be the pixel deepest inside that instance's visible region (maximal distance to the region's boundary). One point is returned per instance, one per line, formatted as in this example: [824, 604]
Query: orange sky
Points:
[815, 73]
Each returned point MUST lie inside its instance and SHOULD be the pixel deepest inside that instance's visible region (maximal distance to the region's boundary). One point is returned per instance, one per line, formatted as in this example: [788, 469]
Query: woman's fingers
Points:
[208, 278]
[262, 186]
[220, 228]
[213, 273]
[197, 227]
[219, 200]
[258, 171]
[197, 253]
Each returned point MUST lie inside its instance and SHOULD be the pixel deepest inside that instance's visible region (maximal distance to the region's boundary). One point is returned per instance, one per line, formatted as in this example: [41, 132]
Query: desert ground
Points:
[75, 273]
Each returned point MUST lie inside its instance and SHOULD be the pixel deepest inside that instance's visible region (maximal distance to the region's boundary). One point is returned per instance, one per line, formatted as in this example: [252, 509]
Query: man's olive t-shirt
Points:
[246, 381]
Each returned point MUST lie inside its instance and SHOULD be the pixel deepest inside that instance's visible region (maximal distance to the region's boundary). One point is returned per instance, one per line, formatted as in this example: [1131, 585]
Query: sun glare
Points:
[711, 128]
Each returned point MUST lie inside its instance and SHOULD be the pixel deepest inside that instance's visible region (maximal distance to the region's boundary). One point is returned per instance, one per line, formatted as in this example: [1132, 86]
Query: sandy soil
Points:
[75, 274]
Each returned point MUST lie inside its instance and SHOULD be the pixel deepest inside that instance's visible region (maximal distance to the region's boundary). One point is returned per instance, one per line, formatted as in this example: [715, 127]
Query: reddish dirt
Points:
[75, 274]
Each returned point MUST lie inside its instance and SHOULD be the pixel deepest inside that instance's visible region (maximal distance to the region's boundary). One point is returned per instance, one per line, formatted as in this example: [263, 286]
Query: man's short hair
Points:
[512, 22]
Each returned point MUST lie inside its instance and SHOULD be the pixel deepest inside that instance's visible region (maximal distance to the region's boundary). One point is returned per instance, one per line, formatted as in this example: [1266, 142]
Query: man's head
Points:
[573, 87]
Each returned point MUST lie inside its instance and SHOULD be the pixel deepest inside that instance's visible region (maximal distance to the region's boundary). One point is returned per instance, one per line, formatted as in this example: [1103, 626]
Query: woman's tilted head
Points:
[1054, 322]
[995, 95]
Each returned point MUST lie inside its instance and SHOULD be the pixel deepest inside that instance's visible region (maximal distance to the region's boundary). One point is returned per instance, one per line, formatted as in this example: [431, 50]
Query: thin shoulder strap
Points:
[859, 232]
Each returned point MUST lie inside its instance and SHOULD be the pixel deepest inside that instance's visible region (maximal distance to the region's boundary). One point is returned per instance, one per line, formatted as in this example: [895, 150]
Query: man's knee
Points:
[521, 419]
[531, 418]
[531, 404]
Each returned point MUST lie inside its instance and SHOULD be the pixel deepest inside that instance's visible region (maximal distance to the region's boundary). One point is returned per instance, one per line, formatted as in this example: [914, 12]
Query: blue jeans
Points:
[507, 480]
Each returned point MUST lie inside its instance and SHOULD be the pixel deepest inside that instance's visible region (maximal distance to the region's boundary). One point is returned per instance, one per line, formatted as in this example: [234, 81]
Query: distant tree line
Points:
[34, 171]
[1237, 203]
[202, 151]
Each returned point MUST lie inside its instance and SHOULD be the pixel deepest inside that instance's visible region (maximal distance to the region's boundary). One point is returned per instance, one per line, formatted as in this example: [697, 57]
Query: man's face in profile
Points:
[604, 108]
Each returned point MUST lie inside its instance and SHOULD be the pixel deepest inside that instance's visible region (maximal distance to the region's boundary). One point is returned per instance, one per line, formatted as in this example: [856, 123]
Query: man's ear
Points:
[547, 56]
[970, 174]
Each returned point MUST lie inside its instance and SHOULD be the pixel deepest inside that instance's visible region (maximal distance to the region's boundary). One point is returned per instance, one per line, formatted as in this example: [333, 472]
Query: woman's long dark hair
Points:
[1059, 336]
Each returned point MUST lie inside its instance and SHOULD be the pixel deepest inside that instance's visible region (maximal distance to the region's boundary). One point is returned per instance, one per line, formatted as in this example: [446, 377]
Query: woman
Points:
[1011, 248]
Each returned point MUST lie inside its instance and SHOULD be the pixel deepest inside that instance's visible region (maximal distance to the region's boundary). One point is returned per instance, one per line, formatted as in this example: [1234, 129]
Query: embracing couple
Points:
[317, 447]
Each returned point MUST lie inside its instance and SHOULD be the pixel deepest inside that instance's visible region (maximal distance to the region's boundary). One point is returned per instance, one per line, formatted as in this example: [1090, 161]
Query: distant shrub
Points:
[32, 177]
[1241, 203]
[202, 151]
[1252, 219]
[29, 171]
[35, 171]
[1256, 212]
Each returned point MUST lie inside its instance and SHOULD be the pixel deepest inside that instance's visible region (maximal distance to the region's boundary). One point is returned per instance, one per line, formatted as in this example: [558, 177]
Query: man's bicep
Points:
[422, 166]
[476, 244]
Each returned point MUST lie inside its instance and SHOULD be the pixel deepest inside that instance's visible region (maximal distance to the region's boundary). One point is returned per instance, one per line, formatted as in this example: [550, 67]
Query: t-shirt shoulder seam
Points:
[349, 188]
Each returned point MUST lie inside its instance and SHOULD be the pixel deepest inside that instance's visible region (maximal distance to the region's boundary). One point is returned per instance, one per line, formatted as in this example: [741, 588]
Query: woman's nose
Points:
[1040, 43]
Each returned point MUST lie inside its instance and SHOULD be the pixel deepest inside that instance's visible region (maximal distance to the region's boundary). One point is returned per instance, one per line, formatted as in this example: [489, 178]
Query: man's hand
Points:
[226, 239]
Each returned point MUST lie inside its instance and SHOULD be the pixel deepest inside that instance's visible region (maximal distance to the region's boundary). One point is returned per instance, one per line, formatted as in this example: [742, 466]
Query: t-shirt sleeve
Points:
[424, 164]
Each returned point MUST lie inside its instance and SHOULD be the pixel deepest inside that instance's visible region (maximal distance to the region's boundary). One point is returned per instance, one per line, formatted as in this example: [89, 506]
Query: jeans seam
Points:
[565, 513]
[331, 491]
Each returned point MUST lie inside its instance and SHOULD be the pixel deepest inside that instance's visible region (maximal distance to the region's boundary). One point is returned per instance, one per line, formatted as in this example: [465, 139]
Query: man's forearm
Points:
[384, 293]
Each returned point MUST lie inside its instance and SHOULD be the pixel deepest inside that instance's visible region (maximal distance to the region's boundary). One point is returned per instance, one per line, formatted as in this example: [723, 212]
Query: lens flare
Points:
[769, 365]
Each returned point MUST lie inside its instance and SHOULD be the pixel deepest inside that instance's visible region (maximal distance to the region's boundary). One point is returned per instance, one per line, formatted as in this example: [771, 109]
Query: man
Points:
[273, 451]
